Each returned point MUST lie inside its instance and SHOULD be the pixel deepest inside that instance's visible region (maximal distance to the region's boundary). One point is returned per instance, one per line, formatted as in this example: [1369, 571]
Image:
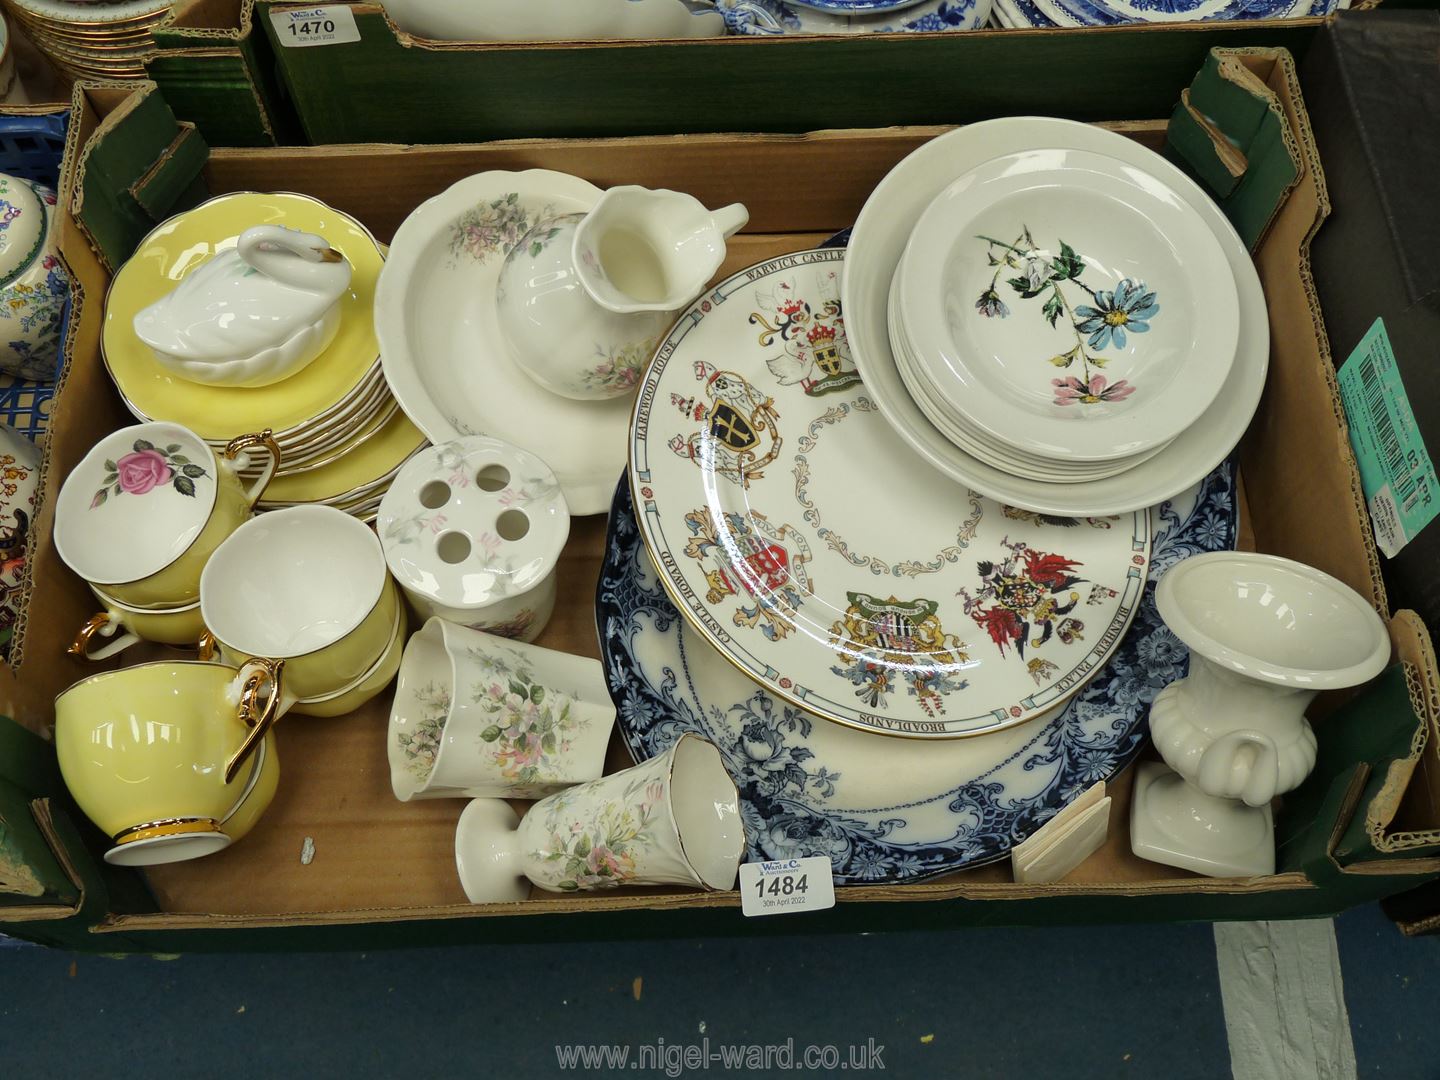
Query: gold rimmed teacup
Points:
[173, 760]
[308, 586]
[145, 509]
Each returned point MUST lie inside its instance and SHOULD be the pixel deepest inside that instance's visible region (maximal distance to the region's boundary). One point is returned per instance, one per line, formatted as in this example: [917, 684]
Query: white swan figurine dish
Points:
[254, 314]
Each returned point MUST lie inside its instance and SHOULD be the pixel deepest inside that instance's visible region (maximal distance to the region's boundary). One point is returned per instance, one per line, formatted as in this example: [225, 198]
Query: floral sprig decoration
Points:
[491, 227]
[1098, 325]
[147, 467]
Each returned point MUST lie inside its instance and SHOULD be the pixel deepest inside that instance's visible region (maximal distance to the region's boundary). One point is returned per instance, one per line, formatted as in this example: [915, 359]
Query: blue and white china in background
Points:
[1075, 13]
[767, 18]
[33, 283]
[887, 809]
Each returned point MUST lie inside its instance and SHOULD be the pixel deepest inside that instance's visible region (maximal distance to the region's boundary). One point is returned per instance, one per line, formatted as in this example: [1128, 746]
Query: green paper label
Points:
[1395, 468]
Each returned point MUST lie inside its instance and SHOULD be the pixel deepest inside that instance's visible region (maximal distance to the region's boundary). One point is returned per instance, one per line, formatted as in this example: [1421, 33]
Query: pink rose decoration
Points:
[142, 470]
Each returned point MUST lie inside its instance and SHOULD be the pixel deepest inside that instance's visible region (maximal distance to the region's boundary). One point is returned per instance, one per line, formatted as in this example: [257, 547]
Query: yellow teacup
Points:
[369, 685]
[120, 626]
[309, 586]
[145, 509]
[174, 759]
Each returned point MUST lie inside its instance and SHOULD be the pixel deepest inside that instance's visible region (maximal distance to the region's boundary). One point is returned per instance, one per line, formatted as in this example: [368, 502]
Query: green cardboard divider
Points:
[28, 761]
[220, 75]
[140, 167]
[1355, 747]
[387, 88]
[215, 91]
[1113, 905]
[38, 831]
[1229, 118]
[171, 184]
[1395, 744]
[29, 872]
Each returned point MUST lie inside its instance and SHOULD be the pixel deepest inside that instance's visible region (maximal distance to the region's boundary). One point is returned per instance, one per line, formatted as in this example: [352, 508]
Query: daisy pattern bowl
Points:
[1069, 305]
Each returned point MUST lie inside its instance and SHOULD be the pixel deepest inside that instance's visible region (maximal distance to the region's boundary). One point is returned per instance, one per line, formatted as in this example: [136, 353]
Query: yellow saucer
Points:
[377, 457]
[186, 241]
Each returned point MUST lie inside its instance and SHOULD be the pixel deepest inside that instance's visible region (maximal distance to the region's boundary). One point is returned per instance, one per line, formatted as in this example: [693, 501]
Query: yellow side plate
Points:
[379, 455]
[185, 242]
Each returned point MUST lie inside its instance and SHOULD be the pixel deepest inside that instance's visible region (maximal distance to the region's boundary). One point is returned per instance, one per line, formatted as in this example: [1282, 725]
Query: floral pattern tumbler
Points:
[675, 820]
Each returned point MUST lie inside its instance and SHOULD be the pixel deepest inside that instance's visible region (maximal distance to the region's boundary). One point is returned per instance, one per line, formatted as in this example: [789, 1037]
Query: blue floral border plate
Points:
[884, 809]
[768, 18]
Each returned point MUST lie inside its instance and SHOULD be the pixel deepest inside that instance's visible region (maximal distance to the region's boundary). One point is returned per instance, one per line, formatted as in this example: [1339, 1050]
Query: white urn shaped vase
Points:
[1265, 635]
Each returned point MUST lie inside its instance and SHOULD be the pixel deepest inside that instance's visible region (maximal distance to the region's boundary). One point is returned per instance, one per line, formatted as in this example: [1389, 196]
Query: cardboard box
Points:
[383, 871]
[391, 86]
[1376, 80]
[219, 74]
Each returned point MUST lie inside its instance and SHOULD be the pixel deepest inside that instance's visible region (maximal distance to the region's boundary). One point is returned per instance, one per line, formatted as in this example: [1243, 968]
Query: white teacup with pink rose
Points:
[142, 512]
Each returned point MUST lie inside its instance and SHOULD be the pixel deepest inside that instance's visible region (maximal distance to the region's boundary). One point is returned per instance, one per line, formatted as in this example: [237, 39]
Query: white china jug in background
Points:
[1265, 635]
[583, 298]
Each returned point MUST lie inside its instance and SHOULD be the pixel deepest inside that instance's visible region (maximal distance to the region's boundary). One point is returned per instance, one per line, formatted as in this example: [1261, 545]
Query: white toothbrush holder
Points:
[472, 531]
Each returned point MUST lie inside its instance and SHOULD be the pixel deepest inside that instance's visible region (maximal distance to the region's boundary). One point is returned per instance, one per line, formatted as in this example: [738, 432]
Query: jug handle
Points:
[263, 686]
[730, 219]
[1261, 780]
[266, 441]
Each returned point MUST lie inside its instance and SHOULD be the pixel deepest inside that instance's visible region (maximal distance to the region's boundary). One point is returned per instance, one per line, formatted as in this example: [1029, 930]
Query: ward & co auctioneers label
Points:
[305, 28]
[786, 885]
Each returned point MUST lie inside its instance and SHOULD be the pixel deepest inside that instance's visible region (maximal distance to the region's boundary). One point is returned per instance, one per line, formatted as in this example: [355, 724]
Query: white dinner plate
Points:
[769, 491]
[879, 238]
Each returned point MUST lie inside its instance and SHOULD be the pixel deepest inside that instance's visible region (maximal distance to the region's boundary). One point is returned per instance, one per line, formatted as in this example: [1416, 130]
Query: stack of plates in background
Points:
[106, 39]
[1051, 14]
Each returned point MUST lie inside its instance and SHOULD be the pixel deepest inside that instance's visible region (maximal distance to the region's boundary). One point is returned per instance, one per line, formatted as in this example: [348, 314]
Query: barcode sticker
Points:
[1395, 468]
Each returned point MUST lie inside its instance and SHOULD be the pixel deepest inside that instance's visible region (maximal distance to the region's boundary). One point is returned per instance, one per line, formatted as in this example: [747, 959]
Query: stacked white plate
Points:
[1055, 316]
[1061, 316]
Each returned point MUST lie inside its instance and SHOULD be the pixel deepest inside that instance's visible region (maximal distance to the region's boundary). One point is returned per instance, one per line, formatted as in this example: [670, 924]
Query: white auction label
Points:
[786, 885]
[306, 27]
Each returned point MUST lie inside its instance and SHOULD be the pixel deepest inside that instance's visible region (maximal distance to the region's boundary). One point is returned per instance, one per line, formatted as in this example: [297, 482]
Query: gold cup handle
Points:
[105, 624]
[207, 647]
[266, 441]
[260, 706]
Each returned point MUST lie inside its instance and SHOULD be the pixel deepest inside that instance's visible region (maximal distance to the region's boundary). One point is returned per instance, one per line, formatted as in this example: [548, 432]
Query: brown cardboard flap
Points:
[1301, 395]
[1404, 814]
